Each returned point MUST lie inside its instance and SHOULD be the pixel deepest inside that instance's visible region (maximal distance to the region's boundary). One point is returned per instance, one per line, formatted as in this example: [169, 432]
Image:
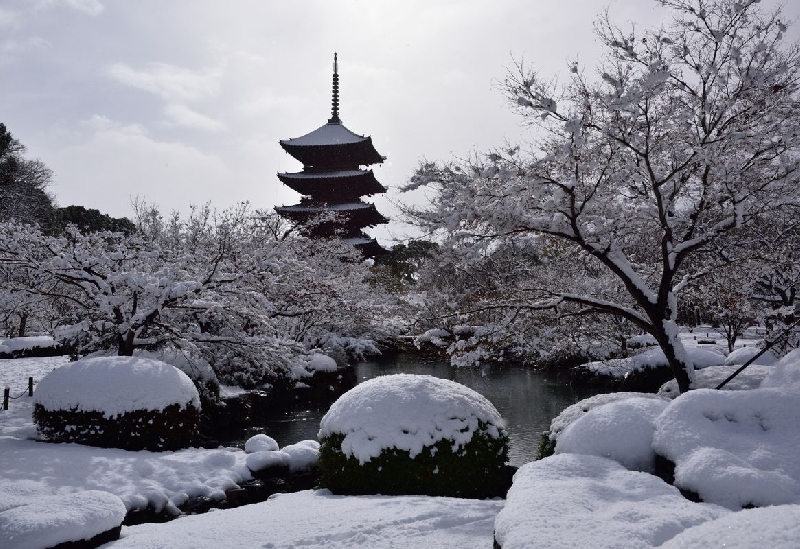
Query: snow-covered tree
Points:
[689, 134]
[227, 287]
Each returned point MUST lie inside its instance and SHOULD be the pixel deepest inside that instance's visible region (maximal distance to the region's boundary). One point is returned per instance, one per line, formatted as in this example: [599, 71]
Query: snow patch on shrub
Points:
[407, 412]
[115, 385]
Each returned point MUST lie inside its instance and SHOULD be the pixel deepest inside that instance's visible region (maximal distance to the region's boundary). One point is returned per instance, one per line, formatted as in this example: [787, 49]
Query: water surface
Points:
[527, 400]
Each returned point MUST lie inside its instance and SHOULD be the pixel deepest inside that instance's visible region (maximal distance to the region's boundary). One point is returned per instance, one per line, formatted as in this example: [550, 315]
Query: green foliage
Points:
[89, 220]
[171, 429]
[475, 470]
[399, 266]
[547, 446]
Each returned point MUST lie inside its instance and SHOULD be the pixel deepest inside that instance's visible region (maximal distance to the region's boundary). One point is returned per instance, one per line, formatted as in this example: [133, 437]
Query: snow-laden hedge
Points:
[410, 434]
[121, 402]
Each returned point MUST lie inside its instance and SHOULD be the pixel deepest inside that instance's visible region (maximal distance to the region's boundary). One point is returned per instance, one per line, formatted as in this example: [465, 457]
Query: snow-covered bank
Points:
[318, 519]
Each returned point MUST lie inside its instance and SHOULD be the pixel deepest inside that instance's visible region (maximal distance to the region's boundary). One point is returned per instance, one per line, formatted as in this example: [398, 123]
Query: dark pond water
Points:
[527, 400]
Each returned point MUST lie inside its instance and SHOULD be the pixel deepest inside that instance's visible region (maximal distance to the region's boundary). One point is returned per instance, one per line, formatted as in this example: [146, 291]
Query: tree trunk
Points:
[23, 324]
[125, 344]
[666, 333]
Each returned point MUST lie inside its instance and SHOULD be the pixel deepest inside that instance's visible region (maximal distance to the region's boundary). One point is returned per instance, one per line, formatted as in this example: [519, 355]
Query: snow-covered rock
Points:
[267, 459]
[734, 448]
[773, 527]
[260, 443]
[407, 412]
[115, 385]
[50, 520]
[621, 430]
[301, 456]
[574, 500]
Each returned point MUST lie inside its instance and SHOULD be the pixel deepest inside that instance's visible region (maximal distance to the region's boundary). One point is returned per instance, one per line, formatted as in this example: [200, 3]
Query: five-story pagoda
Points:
[334, 180]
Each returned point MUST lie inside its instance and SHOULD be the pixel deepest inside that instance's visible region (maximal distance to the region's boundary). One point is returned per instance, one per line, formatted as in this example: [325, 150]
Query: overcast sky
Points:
[183, 102]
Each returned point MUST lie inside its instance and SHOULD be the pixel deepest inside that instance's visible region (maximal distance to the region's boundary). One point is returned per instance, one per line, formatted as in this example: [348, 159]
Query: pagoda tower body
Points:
[333, 182]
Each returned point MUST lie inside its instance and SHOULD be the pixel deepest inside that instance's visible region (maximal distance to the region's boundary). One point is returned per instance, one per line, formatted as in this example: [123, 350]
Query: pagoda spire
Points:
[334, 119]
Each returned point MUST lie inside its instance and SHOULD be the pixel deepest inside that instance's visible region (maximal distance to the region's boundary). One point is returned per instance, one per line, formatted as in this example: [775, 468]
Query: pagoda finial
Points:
[335, 102]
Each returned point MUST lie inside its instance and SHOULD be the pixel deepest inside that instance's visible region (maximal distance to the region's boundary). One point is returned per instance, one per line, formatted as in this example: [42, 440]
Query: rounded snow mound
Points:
[621, 430]
[115, 385]
[743, 354]
[62, 519]
[786, 374]
[774, 526]
[407, 412]
[260, 443]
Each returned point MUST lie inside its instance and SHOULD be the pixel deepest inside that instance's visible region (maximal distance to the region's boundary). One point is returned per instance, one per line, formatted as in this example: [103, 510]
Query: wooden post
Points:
[6, 394]
[30, 386]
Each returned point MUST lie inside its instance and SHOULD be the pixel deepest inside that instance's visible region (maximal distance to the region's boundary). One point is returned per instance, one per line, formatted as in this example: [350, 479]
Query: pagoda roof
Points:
[360, 213]
[333, 145]
[333, 184]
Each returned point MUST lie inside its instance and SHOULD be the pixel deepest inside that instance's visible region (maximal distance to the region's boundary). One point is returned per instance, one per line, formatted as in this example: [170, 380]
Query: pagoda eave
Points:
[337, 155]
[333, 186]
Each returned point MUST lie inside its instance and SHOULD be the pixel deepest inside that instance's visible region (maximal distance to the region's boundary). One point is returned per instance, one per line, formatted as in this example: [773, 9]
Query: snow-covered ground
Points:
[732, 447]
[704, 345]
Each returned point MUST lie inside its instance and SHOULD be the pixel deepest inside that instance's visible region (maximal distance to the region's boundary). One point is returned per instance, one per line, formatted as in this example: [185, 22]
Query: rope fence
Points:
[7, 393]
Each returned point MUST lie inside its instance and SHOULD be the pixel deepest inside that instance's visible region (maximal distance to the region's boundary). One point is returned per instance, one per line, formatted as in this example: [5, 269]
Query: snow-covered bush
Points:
[410, 434]
[82, 519]
[734, 448]
[573, 500]
[622, 431]
[573, 413]
[119, 402]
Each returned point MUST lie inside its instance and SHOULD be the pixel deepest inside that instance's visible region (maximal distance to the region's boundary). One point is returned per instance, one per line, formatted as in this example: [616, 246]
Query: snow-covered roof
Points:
[115, 385]
[350, 206]
[329, 134]
[316, 175]
[407, 412]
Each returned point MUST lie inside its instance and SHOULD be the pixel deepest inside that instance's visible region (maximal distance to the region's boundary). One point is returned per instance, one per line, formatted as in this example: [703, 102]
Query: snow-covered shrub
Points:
[786, 373]
[733, 448]
[775, 526]
[197, 368]
[82, 519]
[622, 431]
[573, 500]
[410, 434]
[118, 402]
[743, 354]
[573, 413]
[18, 347]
